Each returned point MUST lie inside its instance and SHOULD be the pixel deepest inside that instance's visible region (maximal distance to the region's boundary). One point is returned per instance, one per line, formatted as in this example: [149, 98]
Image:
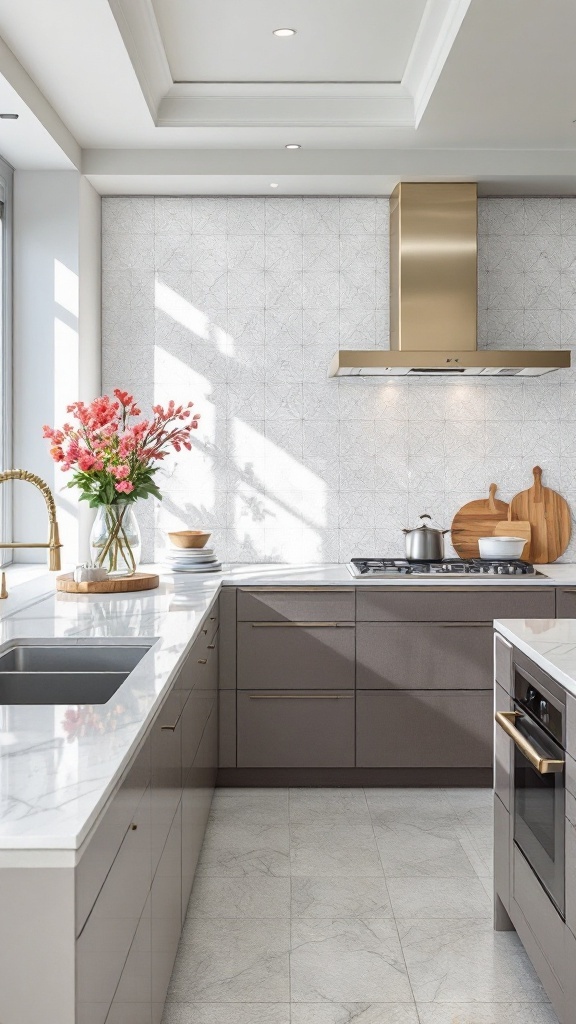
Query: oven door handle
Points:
[543, 765]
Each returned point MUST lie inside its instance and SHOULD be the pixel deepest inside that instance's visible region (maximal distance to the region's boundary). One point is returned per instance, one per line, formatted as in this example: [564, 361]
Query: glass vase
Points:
[115, 540]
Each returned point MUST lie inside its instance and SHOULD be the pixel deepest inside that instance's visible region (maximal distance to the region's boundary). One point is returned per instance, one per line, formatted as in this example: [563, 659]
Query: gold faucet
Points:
[53, 545]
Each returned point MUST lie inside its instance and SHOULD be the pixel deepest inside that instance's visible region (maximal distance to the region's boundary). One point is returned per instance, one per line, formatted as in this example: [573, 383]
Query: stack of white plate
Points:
[192, 560]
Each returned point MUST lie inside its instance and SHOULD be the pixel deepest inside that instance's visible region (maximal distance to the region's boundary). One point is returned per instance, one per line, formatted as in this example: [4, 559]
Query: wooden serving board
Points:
[139, 581]
[549, 516]
[474, 520]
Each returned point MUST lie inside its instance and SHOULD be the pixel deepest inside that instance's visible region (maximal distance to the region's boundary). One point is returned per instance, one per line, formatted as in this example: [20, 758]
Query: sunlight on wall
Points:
[66, 376]
[197, 322]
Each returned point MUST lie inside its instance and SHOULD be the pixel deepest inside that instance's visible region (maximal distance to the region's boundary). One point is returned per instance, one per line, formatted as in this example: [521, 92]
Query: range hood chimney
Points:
[433, 294]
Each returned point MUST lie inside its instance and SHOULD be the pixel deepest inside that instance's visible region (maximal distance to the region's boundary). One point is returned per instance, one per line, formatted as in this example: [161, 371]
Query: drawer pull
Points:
[204, 631]
[301, 696]
[170, 728]
[211, 647]
[468, 625]
[212, 618]
[543, 765]
[202, 661]
[133, 827]
[309, 625]
[295, 590]
[569, 590]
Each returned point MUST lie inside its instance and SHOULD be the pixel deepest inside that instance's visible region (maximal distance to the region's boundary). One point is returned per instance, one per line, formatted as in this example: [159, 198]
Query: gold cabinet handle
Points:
[202, 661]
[301, 696]
[310, 625]
[543, 765]
[271, 589]
[211, 647]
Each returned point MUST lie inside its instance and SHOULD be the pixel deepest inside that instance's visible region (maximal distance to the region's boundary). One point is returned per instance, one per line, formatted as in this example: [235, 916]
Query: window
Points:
[5, 348]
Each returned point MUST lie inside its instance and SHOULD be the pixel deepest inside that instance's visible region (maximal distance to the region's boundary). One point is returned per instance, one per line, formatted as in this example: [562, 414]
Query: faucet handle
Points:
[3, 589]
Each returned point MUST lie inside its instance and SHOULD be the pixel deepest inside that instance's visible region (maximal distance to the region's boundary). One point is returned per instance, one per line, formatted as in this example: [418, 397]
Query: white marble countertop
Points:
[550, 643]
[52, 788]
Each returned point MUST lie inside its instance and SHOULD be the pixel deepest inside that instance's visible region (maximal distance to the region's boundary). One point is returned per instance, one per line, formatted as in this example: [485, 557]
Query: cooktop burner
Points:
[362, 567]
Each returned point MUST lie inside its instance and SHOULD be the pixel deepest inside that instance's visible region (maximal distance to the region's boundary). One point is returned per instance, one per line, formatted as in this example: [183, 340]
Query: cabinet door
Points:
[166, 915]
[566, 603]
[132, 1003]
[199, 721]
[166, 769]
[295, 730]
[105, 941]
[482, 604]
[420, 655]
[424, 729]
[282, 656]
[329, 604]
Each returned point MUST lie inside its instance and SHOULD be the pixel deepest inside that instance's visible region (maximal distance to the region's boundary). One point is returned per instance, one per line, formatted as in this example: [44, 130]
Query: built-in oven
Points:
[536, 725]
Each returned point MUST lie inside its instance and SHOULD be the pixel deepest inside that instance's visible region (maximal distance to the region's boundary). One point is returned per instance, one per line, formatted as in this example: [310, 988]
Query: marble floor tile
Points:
[334, 850]
[232, 961]
[355, 1013]
[251, 896]
[254, 806]
[408, 851]
[226, 1013]
[478, 844]
[335, 806]
[465, 961]
[244, 849]
[463, 799]
[486, 1013]
[340, 897]
[419, 807]
[347, 960]
[428, 898]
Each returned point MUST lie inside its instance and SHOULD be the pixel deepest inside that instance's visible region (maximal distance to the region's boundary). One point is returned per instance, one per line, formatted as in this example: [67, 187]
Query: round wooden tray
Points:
[139, 581]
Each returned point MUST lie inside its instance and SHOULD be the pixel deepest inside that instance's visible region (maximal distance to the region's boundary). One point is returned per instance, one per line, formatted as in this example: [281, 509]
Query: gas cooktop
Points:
[393, 567]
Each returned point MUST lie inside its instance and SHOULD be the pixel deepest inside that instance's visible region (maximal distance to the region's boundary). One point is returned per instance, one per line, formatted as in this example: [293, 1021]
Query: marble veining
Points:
[550, 643]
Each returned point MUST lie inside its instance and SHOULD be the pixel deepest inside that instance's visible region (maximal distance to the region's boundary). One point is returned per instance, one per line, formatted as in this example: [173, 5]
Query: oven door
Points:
[538, 801]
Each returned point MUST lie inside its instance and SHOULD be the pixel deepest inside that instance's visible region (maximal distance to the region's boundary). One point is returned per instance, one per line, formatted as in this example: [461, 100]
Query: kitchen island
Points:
[103, 808]
[535, 797]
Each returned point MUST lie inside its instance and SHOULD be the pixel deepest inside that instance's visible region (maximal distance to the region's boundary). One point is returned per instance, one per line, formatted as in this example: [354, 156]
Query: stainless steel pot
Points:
[424, 543]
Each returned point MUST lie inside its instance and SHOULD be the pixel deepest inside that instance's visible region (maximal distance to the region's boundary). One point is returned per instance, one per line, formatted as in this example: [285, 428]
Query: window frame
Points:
[6, 370]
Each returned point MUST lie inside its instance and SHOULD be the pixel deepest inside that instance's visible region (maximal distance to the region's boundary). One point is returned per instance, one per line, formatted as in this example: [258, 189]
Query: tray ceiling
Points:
[335, 41]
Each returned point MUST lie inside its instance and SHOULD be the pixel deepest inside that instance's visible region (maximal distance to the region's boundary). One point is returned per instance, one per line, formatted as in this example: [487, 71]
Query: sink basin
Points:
[66, 672]
[59, 687]
[72, 657]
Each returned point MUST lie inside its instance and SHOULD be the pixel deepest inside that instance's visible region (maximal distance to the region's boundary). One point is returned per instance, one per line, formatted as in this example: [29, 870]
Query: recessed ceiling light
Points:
[273, 184]
[9, 117]
[284, 32]
[293, 145]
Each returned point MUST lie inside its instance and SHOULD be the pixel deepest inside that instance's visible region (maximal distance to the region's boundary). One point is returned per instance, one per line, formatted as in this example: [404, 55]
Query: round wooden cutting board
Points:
[123, 585]
[549, 516]
[477, 519]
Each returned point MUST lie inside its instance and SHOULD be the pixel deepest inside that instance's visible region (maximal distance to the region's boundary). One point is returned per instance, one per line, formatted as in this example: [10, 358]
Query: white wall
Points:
[56, 335]
[239, 303]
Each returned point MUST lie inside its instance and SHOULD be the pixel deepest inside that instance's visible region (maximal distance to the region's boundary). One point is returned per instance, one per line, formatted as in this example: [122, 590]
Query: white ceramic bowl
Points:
[501, 547]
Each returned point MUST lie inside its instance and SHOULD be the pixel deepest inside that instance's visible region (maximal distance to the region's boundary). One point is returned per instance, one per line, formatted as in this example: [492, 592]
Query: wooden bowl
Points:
[189, 538]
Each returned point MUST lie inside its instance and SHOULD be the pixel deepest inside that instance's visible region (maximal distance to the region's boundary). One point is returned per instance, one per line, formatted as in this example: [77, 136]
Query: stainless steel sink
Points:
[76, 657]
[59, 687]
[66, 672]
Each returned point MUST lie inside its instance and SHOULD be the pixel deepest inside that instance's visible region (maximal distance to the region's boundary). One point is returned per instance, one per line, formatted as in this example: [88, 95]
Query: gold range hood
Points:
[433, 295]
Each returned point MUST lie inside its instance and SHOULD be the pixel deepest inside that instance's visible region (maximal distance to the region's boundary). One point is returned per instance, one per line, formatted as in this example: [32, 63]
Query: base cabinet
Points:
[166, 915]
[423, 728]
[295, 729]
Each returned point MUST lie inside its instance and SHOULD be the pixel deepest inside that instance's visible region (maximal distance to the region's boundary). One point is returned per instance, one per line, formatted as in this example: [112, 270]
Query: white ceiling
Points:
[491, 97]
[336, 40]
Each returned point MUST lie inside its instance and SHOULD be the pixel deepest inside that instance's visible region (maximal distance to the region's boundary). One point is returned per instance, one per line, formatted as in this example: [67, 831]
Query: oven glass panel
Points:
[535, 803]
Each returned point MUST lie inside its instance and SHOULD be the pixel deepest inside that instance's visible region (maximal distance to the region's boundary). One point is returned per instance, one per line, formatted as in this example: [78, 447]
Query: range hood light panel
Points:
[433, 300]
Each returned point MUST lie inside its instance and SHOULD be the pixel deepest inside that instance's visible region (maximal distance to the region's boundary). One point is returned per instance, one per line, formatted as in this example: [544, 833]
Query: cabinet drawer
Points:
[541, 916]
[481, 605]
[408, 656]
[566, 603]
[423, 729]
[104, 843]
[296, 605]
[103, 945]
[166, 769]
[296, 730]
[282, 656]
[199, 655]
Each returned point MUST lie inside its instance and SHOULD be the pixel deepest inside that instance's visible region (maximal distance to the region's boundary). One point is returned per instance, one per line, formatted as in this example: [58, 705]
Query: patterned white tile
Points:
[246, 288]
[321, 253]
[245, 216]
[321, 290]
[357, 216]
[172, 215]
[209, 216]
[284, 216]
[245, 252]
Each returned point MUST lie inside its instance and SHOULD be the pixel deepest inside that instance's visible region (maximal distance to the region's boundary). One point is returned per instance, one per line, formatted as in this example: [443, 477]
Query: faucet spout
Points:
[53, 545]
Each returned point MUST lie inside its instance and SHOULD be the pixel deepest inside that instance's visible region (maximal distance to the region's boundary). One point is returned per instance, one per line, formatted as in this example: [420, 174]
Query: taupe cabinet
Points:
[365, 678]
[96, 943]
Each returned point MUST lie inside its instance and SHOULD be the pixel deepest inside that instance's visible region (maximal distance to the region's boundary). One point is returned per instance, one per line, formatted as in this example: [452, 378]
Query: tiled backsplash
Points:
[239, 304]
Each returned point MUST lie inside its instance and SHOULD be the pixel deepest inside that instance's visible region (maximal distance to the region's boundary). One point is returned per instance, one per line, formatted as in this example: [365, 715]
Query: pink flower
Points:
[86, 462]
[120, 472]
[124, 487]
